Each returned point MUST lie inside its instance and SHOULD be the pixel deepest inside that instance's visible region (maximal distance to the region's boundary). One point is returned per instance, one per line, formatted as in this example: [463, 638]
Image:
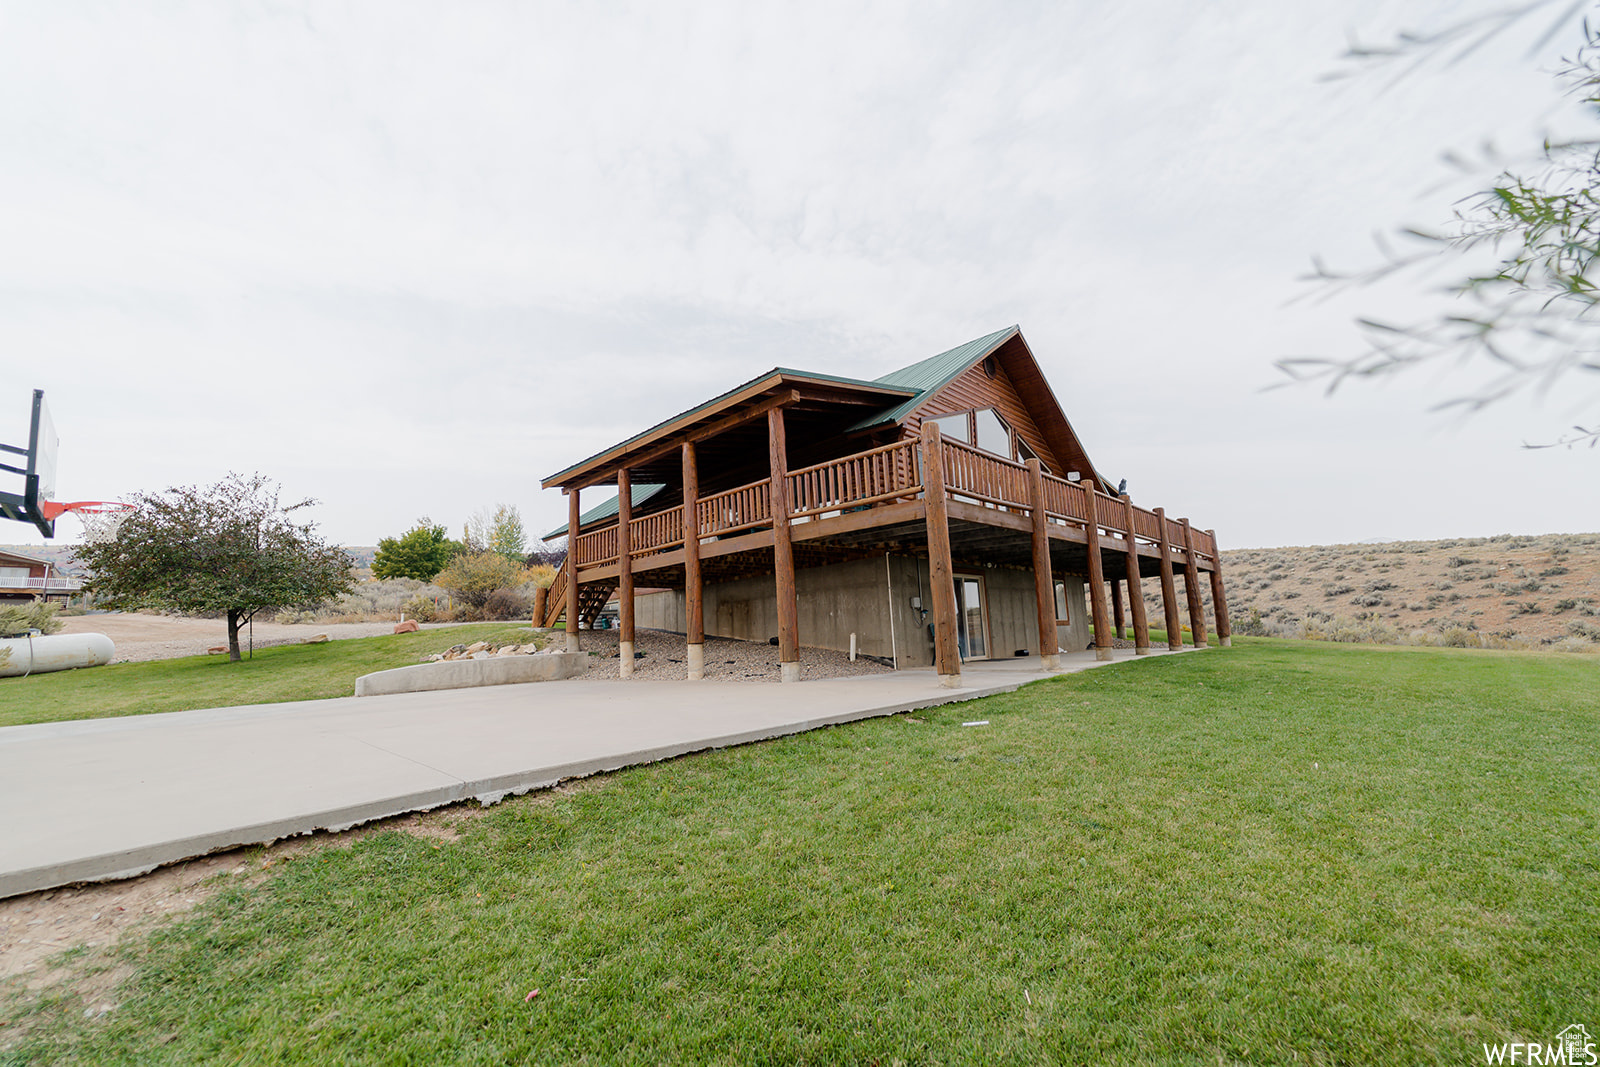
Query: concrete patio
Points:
[111, 798]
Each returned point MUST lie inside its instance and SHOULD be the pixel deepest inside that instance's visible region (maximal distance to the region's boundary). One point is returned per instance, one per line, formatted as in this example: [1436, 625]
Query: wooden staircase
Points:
[592, 599]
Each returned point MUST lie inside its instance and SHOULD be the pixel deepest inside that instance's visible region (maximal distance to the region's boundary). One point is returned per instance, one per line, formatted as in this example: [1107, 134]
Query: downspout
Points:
[888, 573]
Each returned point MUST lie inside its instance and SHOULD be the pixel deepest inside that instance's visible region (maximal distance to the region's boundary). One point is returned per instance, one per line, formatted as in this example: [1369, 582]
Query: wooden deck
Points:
[877, 500]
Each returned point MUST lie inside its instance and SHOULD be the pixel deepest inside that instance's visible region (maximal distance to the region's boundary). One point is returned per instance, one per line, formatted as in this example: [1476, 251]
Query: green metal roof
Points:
[640, 494]
[932, 374]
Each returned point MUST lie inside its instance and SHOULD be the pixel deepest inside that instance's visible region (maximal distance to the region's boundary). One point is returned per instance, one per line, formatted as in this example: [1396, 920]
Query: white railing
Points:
[49, 585]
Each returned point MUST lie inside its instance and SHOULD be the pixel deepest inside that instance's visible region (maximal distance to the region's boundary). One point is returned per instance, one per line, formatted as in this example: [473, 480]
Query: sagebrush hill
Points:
[1507, 591]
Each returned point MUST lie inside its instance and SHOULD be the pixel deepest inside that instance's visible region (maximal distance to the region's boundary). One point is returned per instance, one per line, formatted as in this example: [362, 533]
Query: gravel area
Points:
[146, 637]
[726, 660]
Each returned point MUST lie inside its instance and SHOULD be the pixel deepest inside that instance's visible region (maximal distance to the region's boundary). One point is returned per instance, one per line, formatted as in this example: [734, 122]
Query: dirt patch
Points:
[35, 929]
[146, 637]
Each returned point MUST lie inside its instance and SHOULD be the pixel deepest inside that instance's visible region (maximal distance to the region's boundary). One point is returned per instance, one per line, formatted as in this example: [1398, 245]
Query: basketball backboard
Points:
[37, 466]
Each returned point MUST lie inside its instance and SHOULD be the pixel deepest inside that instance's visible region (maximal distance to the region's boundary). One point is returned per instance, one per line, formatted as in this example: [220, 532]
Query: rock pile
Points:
[482, 650]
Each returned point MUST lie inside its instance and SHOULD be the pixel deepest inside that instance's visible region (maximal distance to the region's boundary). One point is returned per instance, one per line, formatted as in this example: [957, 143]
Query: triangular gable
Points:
[957, 380]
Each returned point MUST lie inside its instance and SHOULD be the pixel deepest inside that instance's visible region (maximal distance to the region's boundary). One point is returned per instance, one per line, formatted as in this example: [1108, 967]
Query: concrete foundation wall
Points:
[872, 599]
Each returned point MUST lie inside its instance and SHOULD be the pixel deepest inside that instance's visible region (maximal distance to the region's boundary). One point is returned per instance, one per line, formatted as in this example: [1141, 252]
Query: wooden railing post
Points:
[624, 574]
[1118, 619]
[1141, 624]
[783, 549]
[1097, 576]
[1191, 588]
[1219, 599]
[693, 593]
[573, 512]
[941, 575]
[1044, 586]
[541, 604]
[1169, 587]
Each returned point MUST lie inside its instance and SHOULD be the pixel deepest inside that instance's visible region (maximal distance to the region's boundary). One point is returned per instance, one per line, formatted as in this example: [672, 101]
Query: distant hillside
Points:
[66, 563]
[1537, 591]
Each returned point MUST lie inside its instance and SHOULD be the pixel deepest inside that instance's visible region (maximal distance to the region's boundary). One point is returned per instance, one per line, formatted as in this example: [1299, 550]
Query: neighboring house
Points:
[24, 578]
[943, 512]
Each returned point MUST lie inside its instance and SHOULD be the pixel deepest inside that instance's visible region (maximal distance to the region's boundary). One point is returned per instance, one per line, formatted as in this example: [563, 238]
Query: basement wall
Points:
[862, 597]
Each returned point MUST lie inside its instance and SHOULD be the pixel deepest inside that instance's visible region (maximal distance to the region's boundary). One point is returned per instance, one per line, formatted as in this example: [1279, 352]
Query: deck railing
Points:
[971, 472]
[872, 477]
[46, 585]
[880, 476]
[653, 533]
[736, 509]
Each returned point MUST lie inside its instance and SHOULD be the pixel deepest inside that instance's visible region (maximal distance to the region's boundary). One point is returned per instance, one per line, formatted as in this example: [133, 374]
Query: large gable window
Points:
[986, 429]
[955, 426]
[993, 434]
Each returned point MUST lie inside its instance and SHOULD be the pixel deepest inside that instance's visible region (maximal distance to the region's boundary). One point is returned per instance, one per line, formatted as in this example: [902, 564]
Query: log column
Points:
[573, 513]
[1044, 587]
[1219, 600]
[1097, 577]
[783, 549]
[1117, 617]
[1191, 588]
[1141, 624]
[541, 604]
[624, 574]
[941, 575]
[693, 592]
[1169, 587]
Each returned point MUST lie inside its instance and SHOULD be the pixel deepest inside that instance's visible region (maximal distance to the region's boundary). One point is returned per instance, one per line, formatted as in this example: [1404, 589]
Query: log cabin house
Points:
[944, 512]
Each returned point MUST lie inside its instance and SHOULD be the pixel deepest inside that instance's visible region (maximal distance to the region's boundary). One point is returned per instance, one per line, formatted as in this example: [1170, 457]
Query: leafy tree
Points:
[474, 577]
[420, 553]
[499, 531]
[1530, 297]
[229, 549]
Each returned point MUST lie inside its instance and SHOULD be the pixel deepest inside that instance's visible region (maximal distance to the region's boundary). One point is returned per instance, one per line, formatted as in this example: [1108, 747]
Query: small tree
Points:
[229, 548]
[472, 579]
[420, 553]
[499, 531]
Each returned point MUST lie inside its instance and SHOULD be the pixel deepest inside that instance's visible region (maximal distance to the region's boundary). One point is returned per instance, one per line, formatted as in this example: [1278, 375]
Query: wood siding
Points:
[974, 389]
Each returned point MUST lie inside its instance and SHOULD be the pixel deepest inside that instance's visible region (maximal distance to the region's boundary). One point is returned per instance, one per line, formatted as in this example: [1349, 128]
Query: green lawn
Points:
[1283, 852]
[285, 672]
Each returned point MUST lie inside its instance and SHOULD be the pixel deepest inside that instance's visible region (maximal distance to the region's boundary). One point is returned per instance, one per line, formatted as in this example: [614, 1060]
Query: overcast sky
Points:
[409, 258]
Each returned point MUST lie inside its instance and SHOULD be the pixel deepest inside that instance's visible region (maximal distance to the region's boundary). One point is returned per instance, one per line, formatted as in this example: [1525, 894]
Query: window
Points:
[954, 426]
[1063, 611]
[993, 434]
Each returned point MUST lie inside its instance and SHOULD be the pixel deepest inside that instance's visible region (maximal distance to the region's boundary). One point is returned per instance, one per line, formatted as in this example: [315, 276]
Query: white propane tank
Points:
[54, 652]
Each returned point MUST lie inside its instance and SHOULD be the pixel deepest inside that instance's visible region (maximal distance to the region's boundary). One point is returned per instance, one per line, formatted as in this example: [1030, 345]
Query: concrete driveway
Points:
[111, 798]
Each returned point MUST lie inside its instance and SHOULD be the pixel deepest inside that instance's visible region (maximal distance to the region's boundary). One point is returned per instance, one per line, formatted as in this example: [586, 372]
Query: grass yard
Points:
[284, 672]
[1284, 852]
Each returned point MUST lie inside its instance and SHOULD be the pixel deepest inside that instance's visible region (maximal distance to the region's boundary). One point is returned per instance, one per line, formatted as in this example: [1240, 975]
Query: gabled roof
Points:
[930, 375]
[5, 555]
[607, 510]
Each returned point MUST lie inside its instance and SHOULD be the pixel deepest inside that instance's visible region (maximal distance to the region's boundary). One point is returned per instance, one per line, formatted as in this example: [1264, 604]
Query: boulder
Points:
[217, 650]
[476, 646]
[319, 639]
[407, 627]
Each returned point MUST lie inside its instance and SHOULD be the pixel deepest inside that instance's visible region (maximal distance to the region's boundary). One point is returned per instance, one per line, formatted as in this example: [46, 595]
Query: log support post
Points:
[1141, 624]
[1191, 587]
[624, 574]
[1219, 599]
[693, 592]
[941, 575]
[541, 605]
[1097, 577]
[1169, 587]
[1044, 587]
[783, 549]
[1118, 623]
[573, 512]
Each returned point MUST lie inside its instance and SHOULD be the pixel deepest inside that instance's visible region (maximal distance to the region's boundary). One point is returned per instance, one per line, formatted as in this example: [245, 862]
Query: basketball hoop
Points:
[99, 518]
